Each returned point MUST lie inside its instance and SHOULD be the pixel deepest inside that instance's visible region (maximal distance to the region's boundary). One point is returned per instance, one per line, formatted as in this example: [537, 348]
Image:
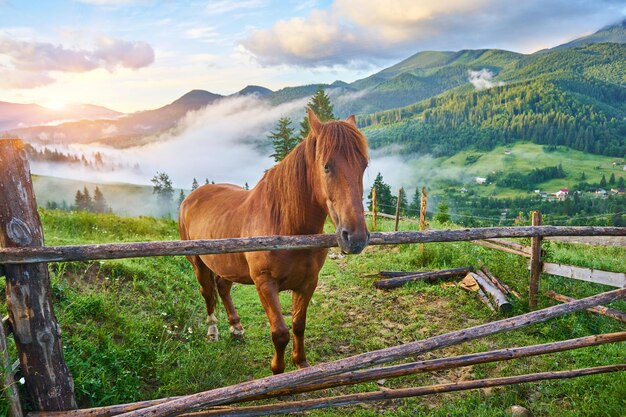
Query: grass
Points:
[135, 329]
[523, 158]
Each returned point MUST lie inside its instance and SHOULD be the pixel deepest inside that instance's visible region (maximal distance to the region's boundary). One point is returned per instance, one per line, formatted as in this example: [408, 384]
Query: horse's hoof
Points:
[213, 335]
[303, 364]
[235, 333]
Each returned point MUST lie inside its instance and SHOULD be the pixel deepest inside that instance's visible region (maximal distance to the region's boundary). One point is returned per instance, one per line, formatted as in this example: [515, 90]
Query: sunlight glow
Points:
[55, 105]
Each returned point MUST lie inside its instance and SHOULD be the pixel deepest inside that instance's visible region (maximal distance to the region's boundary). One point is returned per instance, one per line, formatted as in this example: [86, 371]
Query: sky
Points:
[132, 55]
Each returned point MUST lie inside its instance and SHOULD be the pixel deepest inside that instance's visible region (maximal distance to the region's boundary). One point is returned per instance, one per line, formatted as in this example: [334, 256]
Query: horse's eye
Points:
[327, 169]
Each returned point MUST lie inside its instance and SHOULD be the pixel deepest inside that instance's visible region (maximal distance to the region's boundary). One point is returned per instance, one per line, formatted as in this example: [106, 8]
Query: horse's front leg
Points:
[267, 289]
[299, 303]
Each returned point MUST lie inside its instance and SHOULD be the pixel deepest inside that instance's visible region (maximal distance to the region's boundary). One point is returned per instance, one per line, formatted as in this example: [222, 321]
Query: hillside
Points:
[582, 107]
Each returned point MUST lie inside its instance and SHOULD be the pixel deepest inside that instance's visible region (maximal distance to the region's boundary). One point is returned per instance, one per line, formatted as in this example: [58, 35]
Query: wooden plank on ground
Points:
[614, 279]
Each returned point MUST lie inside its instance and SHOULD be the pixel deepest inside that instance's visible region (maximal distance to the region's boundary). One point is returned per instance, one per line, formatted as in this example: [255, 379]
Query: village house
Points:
[562, 193]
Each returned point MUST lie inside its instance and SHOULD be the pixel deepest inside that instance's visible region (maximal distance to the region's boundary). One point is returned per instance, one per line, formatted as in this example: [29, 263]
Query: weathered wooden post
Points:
[35, 328]
[423, 203]
[398, 208]
[374, 209]
[536, 263]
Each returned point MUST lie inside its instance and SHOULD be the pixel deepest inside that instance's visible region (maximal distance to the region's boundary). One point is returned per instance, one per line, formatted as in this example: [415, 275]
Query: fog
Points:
[219, 143]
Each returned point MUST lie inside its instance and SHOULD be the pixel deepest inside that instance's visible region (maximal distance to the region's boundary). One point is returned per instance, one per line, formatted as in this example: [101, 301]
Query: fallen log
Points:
[356, 377]
[395, 274]
[343, 400]
[251, 389]
[421, 276]
[499, 299]
[469, 284]
[605, 311]
[498, 283]
[432, 365]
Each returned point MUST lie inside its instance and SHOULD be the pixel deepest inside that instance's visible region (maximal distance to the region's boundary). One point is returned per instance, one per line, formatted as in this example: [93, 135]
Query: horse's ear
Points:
[352, 120]
[314, 122]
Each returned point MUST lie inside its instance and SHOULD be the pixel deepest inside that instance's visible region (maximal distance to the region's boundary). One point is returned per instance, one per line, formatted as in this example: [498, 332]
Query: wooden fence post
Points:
[374, 209]
[35, 328]
[535, 263]
[423, 203]
[398, 208]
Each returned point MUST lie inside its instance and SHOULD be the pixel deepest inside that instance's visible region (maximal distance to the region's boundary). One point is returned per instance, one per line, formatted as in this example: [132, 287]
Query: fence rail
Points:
[264, 243]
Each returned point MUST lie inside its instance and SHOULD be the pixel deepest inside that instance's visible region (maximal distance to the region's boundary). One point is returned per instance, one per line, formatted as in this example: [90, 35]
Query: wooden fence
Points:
[37, 333]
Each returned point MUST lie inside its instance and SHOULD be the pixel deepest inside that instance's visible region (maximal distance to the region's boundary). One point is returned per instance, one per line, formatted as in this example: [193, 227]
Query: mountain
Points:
[613, 33]
[573, 97]
[15, 115]
[129, 130]
[254, 89]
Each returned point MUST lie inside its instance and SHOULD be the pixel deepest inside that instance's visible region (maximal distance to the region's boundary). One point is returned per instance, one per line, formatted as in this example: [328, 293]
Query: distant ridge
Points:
[615, 33]
[254, 89]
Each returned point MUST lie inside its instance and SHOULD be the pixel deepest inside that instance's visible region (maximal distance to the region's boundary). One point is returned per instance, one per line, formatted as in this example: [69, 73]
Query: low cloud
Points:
[349, 31]
[482, 79]
[220, 143]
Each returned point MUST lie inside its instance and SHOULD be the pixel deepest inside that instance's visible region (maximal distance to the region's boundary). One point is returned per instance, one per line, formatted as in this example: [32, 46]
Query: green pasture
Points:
[135, 329]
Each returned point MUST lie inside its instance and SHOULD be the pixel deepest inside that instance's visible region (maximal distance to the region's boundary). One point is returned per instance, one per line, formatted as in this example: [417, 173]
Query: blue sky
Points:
[139, 54]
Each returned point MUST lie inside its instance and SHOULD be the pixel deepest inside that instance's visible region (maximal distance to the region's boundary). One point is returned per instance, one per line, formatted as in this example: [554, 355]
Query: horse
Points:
[322, 176]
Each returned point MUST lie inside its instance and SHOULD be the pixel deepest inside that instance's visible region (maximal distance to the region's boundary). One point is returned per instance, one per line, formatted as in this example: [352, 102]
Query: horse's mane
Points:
[288, 182]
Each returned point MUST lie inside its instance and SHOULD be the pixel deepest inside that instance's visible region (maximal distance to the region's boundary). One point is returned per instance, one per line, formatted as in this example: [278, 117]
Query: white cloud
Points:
[228, 6]
[32, 62]
[353, 30]
[482, 79]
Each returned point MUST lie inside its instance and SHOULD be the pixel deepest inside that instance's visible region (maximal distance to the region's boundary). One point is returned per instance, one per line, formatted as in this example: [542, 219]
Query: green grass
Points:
[523, 158]
[135, 329]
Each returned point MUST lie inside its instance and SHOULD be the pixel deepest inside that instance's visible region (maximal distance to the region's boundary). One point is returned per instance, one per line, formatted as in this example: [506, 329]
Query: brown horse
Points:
[322, 176]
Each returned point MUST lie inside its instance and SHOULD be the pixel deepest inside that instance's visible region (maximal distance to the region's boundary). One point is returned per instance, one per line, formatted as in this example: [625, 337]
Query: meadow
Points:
[523, 157]
[135, 329]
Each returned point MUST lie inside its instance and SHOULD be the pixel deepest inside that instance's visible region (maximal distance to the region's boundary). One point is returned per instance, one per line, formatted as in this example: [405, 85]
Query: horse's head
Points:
[337, 153]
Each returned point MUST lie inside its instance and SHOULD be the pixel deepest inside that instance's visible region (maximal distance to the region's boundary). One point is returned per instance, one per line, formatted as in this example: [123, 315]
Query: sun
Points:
[55, 105]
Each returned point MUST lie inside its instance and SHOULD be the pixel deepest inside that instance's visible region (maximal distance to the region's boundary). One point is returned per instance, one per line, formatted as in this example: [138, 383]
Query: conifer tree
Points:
[283, 140]
[442, 215]
[612, 179]
[320, 105]
[194, 184]
[99, 203]
[164, 191]
[79, 200]
[620, 183]
[603, 181]
[87, 201]
[385, 201]
[181, 198]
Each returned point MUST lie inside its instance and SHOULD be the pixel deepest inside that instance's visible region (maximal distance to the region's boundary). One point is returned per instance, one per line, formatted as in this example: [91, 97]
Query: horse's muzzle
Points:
[352, 242]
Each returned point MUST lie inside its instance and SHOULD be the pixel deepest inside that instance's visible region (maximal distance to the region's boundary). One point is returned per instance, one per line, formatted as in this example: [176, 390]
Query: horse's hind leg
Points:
[207, 280]
[223, 287]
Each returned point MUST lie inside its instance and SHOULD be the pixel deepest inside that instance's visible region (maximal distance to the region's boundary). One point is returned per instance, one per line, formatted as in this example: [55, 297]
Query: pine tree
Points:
[87, 201]
[246, 187]
[416, 202]
[99, 203]
[320, 105]
[181, 198]
[194, 184]
[283, 140]
[206, 181]
[385, 201]
[612, 179]
[620, 183]
[603, 181]
[164, 191]
[442, 215]
[404, 204]
[79, 200]
[583, 177]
